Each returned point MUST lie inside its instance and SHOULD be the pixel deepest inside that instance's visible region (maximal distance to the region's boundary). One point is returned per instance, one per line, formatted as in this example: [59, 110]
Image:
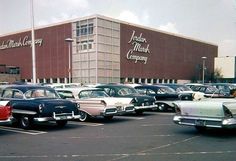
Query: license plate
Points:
[200, 123]
[62, 117]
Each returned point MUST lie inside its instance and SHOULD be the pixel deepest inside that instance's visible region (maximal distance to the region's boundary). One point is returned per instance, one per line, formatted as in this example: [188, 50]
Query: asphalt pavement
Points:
[149, 137]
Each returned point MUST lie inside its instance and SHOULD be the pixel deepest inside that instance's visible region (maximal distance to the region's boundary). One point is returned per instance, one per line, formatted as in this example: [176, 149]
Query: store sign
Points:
[139, 46]
[25, 41]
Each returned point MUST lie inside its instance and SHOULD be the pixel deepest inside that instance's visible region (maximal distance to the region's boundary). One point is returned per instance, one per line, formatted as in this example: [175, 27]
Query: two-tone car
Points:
[5, 112]
[32, 103]
[95, 102]
[141, 102]
[206, 113]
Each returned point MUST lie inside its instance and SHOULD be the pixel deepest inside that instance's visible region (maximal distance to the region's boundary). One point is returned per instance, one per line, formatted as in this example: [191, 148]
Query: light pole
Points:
[203, 69]
[69, 40]
[33, 41]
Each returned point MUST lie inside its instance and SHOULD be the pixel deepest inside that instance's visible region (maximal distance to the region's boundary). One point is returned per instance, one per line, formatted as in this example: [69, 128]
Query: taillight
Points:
[227, 112]
[9, 110]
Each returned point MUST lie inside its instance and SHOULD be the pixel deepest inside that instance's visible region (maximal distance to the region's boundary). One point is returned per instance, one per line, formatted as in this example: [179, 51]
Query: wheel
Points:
[61, 123]
[108, 117]
[161, 107]
[83, 116]
[25, 122]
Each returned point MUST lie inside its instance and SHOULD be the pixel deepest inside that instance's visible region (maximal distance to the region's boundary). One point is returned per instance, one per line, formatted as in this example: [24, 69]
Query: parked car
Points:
[226, 88]
[185, 92]
[165, 96]
[209, 91]
[5, 113]
[32, 103]
[213, 113]
[141, 102]
[95, 102]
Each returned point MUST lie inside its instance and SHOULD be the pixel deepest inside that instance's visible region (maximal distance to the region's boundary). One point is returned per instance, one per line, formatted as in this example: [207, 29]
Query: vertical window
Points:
[84, 30]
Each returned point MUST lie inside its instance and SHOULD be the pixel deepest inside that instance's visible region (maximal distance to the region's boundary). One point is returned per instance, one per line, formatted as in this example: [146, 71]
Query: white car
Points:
[208, 112]
[95, 102]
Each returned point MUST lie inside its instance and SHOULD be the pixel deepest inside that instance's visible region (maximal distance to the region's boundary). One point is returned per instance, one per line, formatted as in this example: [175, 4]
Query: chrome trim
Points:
[5, 122]
[56, 117]
[129, 110]
[105, 112]
[208, 122]
[145, 107]
[18, 111]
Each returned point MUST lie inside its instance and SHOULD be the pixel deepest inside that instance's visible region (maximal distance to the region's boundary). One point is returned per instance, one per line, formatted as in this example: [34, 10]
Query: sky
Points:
[213, 21]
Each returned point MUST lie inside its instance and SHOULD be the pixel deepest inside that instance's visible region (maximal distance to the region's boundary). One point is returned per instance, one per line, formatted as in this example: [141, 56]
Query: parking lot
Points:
[152, 136]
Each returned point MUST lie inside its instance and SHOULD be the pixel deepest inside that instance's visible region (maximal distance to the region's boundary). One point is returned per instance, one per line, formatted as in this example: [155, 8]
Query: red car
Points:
[5, 112]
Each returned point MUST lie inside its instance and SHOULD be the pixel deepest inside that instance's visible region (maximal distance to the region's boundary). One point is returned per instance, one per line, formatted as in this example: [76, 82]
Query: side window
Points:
[107, 90]
[83, 94]
[141, 91]
[150, 91]
[18, 94]
[7, 93]
[203, 89]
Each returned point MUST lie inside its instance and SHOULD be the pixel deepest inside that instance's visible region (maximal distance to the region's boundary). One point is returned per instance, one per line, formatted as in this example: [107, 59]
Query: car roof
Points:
[25, 88]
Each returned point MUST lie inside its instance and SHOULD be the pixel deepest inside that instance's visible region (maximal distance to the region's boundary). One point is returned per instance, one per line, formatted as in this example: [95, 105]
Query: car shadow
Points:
[208, 132]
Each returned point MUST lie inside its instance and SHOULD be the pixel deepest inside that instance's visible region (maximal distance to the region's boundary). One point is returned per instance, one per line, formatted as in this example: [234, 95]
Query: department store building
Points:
[106, 50]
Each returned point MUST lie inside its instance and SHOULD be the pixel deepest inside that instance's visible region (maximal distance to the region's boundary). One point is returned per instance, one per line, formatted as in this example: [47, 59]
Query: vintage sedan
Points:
[32, 103]
[141, 102]
[5, 112]
[95, 102]
[212, 113]
[165, 96]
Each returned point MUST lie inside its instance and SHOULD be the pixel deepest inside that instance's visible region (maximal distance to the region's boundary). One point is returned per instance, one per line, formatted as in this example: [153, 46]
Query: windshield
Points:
[183, 88]
[126, 91]
[41, 93]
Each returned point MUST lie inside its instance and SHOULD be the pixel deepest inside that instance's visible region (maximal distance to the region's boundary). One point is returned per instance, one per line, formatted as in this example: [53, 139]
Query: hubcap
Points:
[25, 121]
[83, 116]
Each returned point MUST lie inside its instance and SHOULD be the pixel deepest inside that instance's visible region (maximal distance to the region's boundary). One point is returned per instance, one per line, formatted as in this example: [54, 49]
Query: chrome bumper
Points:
[56, 117]
[205, 122]
[153, 107]
[117, 110]
[109, 111]
[6, 122]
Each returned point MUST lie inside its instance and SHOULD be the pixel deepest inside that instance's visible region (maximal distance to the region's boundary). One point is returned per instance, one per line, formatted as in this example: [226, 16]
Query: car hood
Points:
[207, 107]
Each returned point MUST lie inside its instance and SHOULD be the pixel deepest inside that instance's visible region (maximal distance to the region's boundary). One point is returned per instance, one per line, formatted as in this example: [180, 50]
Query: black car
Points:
[32, 103]
[165, 96]
[141, 102]
[185, 92]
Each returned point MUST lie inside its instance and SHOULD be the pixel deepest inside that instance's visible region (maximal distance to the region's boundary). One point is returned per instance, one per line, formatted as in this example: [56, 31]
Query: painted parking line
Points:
[22, 131]
[85, 123]
[120, 136]
[148, 125]
[130, 117]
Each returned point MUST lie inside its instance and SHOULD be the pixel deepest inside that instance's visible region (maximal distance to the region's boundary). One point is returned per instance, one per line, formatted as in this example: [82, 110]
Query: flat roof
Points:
[113, 20]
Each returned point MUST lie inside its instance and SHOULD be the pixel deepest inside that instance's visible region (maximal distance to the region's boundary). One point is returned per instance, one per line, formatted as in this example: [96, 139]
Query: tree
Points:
[217, 74]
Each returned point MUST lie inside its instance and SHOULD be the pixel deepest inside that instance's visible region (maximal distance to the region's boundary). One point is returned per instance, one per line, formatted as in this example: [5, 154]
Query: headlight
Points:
[177, 109]
[78, 105]
[41, 108]
[227, 112]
